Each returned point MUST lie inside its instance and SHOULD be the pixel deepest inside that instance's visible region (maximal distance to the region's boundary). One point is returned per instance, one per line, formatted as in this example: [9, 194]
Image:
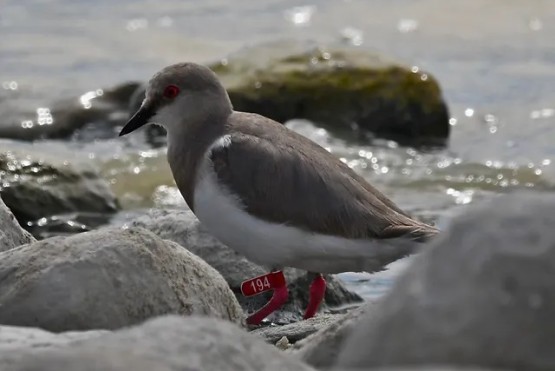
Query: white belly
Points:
[278, 245]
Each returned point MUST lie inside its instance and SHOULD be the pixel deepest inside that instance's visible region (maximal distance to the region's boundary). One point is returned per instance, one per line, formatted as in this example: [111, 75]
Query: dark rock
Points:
[11, 233]
[342, 88]
[37, 185]
[166, 343]
[107, 279]
[183, 227]
[322, 348]
[100, 112]
[482, 295]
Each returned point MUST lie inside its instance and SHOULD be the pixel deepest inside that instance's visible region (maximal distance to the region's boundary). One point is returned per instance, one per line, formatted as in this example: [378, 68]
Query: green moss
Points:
[389, 84]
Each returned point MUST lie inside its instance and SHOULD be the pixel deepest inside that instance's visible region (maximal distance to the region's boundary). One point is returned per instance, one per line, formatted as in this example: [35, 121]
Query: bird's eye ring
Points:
[171, 91]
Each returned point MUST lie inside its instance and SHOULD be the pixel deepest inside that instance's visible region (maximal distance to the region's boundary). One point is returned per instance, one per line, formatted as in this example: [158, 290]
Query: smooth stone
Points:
[482, 294]
[11, 233]
[107, 279]
[165, 343]
[38, 185]
[183, 227]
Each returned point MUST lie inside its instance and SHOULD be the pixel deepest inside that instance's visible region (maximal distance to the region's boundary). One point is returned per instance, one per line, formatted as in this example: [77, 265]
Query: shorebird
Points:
[268, 192]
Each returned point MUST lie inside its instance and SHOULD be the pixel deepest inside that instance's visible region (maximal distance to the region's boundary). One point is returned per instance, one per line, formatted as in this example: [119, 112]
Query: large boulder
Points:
[11, 233]
[36, 185]
[183, 227]
[106, 279]
[482, 295]
[168, 343]
[340, 87]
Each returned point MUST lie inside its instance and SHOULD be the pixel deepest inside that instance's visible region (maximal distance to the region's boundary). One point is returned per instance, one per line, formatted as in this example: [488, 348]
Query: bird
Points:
[268, 192]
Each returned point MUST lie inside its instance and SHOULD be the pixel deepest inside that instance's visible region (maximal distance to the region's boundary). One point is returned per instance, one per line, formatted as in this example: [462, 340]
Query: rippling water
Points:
[494, 60]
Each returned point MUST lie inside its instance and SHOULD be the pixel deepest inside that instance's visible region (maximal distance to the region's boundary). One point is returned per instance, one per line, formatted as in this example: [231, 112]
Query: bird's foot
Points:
[317, 291]
[271, 281]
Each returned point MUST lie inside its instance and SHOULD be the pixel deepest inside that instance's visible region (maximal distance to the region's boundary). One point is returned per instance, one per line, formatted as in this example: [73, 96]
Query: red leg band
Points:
[278, 299]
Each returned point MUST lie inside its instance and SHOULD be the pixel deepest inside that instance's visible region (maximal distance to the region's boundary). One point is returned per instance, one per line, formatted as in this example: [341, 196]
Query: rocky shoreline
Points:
[155, 291]
[160, 293]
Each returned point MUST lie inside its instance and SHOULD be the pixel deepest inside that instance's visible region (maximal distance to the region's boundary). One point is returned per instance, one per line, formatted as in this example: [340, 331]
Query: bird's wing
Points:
[312, 191]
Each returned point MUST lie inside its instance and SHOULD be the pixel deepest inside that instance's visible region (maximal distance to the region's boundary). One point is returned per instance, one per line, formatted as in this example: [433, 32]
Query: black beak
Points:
[140, 118]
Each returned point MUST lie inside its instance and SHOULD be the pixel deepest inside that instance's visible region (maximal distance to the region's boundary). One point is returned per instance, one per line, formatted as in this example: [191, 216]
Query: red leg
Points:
[278, 299]
[317, 291]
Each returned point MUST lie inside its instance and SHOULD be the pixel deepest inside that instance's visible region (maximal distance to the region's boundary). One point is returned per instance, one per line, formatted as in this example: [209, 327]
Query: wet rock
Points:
[296, 331]
[322, 348]
[342, 88]
[11, 233]
[183, 227]
[37, 185]
[107, 279]
[483, 295]
[165, 343]
[97, 112]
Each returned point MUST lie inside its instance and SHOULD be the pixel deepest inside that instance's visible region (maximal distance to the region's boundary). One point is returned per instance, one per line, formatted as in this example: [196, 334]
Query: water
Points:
[493, 58]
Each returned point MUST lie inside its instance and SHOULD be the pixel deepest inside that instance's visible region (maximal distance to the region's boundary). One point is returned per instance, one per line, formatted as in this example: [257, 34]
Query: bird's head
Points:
[178, 95]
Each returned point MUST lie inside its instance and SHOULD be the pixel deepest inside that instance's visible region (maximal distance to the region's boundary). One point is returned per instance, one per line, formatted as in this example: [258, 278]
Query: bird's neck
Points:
[187, 146]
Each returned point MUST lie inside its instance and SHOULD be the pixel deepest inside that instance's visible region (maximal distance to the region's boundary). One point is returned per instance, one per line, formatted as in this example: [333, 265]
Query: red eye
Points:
[171, 91]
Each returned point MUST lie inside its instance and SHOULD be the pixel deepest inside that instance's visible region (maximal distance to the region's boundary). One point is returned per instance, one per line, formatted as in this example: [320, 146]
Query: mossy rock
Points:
[339, 87]
[36, 186]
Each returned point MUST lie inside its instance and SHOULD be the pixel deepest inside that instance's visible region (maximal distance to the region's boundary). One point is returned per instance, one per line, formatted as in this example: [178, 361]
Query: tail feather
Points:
[417, 232]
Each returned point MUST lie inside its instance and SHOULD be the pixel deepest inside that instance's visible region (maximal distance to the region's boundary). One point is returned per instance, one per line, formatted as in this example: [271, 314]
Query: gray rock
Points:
[482, 295]
[296, 331]
[166, 343]
[11, 233]
[106, 279]
[322, 348]
[38, 185]
[183, 227]
[14, 338]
